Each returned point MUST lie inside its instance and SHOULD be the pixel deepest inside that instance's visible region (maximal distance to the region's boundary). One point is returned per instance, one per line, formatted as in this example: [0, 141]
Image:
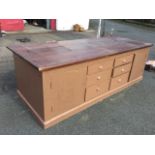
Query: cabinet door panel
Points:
[139, 63]
[66, 89]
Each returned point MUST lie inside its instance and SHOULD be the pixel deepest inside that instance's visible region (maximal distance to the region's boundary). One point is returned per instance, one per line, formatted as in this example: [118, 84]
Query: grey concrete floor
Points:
[31, 29]
[130, 112]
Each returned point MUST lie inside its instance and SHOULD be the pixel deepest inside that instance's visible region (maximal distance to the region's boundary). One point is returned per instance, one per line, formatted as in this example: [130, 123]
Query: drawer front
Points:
[122, 69]
[100, 66]
[123, 60]
[118, 81]
[96, 90]
[98, 78]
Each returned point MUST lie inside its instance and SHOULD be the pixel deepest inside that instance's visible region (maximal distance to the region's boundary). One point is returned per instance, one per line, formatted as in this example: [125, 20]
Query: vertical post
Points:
[48, 23]
[99, 29]
[102, 28]
[0, 31]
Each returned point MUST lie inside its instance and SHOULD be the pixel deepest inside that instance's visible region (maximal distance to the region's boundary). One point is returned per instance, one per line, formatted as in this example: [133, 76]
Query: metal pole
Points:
[99, 29]
[102, 28]
[0, 31]
[48, 23]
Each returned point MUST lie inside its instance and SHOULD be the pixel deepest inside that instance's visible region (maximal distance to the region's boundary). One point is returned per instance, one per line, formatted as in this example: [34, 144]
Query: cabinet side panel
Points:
[139, 63]
[29, 83]
[64, 89]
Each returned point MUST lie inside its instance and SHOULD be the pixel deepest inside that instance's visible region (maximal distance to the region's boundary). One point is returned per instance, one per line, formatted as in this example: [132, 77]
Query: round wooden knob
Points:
[100, 67]
[98, 78]
[97, 89]
[124, 60]
[122, 69]
[119, 80]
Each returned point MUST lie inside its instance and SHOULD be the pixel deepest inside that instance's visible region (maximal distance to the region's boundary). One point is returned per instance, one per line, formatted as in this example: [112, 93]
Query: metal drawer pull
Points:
[119, 80]
[98, 78]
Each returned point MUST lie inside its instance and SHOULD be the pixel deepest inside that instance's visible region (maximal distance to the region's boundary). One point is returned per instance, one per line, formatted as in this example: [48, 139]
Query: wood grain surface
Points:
[61, 53]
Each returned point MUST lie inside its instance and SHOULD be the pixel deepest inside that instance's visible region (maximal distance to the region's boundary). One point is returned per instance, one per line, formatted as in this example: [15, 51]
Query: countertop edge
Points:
[39, 68]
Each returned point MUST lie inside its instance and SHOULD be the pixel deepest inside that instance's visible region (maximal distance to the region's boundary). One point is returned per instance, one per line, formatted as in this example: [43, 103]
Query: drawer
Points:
[98, 77]
[122, 69]
[96, 90]
[119, 81]
[100, 66]
[123, 60]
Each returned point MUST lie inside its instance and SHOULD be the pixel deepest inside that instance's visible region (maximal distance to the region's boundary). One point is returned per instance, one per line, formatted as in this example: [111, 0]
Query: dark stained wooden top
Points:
[61, 53]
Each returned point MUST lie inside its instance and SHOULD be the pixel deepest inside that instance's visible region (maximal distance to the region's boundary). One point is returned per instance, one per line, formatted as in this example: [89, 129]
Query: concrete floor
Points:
[31, 29]
[129, 112]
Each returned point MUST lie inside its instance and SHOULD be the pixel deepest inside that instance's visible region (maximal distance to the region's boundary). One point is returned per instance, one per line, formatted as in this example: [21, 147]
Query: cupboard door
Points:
[139, 63]
[66, 89]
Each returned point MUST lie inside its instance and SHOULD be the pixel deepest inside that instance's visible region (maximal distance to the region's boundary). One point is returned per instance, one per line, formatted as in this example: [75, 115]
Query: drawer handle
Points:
[122, 69]
[98, 78]
[124, 60]
[119, 80]
[100, 67]
[98, 89]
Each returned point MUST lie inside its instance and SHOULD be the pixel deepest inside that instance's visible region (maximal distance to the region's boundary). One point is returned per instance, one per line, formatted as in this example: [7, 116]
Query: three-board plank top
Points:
[61, 53]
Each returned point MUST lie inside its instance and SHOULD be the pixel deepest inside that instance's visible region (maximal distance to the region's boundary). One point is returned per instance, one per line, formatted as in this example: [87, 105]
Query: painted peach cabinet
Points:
[57, 80]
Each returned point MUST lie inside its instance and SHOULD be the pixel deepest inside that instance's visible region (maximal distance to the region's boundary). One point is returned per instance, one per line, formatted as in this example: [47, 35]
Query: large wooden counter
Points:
[59, 79]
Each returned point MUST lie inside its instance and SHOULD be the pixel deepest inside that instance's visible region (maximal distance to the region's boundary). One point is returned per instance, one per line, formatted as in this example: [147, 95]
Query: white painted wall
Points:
[67, 24]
